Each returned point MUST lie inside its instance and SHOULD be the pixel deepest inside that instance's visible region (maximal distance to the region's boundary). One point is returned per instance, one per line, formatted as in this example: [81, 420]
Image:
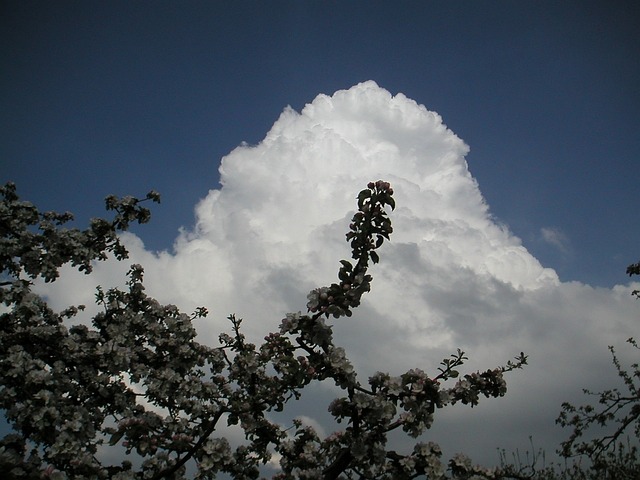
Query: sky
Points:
[509, 131]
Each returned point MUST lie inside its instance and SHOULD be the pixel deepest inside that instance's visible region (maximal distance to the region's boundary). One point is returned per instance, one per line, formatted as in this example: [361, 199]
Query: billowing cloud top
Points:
[450, 277]
[304, 175]
[278, 223]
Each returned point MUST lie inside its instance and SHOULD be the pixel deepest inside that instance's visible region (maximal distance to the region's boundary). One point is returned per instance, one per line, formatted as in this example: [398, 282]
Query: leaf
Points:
[115, 438]
[347, 265]
[391, 202]
[362, 196]
[374, 257]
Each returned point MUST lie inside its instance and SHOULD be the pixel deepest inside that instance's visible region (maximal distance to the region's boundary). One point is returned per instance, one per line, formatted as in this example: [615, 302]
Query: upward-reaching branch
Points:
[369, 228]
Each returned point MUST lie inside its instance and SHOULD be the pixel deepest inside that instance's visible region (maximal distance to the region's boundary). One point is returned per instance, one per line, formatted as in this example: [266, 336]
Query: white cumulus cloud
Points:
[450, 277]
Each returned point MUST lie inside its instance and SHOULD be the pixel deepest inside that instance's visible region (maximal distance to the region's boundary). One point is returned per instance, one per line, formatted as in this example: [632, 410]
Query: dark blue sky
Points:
[122, 97]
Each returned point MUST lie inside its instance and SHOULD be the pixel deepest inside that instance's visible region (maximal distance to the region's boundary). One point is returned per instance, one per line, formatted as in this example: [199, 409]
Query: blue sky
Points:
[124, 97]
[121, 97]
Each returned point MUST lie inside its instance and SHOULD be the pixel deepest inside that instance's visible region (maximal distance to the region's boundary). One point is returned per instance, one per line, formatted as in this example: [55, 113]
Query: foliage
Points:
[618, 411]
[137, 382]
[619, 464]
[603, 456]
[634, 269]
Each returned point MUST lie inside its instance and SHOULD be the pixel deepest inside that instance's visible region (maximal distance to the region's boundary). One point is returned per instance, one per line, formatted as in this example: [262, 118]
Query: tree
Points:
[618, 410]
[136, 379]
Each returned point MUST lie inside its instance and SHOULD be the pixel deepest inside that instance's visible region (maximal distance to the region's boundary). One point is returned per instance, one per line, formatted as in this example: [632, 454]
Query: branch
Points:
[339, 465]
[607, 440]
[203, 438]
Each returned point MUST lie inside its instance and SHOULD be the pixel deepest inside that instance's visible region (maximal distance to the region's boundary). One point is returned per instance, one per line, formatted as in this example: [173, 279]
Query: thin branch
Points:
[203, 438]
[339, 465]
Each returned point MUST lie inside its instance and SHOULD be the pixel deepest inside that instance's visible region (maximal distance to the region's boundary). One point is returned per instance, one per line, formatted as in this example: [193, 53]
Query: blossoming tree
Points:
[136, 380]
